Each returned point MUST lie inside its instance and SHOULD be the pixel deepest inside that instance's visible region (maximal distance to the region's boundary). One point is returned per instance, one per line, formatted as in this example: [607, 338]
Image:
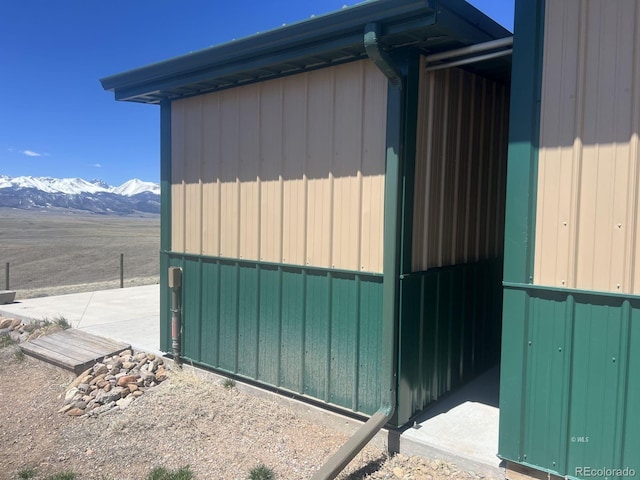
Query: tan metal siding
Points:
[588, 184]
[460, 169]
[290, 170]
[177, 177]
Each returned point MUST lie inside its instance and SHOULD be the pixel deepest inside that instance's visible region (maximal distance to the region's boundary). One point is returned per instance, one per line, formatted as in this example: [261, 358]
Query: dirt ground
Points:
[189, 420]
[53, 253]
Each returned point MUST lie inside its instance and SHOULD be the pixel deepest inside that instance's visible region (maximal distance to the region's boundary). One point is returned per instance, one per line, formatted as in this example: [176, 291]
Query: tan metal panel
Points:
[320, 147]
[270, 159]
[373, 167]
[192, 176]
[587, 204]
[293, 170]
[211, 125]
[347, 169]
[230, 187]
[177, 177]
[460, 169]
[248, 164]
[289, 170]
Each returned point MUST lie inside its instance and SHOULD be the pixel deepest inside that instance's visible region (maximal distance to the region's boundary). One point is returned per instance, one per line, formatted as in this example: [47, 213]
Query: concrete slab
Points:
[7, 296]
[461, 428]
[130, 315]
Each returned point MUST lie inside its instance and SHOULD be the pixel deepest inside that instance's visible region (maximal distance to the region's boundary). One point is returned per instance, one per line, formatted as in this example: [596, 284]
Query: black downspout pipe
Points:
[391, 265]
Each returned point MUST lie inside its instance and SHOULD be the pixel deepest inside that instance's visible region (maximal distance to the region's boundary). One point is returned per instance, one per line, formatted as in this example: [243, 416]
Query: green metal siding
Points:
[449, 332]
[311, 331]
[577, 356]
[522, 169]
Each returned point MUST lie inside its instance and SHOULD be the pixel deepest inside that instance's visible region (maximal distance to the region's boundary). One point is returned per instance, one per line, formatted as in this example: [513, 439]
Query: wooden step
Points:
[72, 349]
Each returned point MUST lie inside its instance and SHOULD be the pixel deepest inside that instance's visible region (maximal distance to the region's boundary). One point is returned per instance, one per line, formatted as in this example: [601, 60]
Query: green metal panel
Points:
[165, 219]
[450, 330]
[577, 357]
[524, 133]
[270, 325]
[522, 168]
[317, 334]
[292, 337]
[310, 331]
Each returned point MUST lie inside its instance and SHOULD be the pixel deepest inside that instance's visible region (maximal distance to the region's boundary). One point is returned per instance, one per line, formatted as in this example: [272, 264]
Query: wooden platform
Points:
[72, 349]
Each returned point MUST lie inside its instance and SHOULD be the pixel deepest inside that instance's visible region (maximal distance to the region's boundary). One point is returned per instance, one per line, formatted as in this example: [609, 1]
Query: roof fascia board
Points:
[304, 32]
[460, 19]
[267, 62]
[236, 68]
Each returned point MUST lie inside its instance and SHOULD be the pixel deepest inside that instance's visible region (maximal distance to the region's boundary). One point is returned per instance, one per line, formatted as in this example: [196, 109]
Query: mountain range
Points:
[95, 196]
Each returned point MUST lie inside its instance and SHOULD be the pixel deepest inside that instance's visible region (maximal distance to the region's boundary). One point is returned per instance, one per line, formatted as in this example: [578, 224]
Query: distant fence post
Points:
[6, 276]
[122, 270]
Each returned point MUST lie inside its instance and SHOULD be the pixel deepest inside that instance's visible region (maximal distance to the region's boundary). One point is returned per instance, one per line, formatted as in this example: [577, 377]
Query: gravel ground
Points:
[189, 420]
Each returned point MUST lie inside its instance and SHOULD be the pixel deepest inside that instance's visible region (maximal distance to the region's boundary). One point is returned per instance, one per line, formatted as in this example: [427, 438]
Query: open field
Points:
[61, 252]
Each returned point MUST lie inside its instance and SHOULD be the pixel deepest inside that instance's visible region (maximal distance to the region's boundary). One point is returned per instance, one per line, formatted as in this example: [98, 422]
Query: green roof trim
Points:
[429, 25]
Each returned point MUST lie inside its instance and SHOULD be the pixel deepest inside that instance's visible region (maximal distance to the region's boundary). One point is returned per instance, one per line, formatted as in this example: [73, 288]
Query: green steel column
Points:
[391, 262]
[165, 221]
[522, 171]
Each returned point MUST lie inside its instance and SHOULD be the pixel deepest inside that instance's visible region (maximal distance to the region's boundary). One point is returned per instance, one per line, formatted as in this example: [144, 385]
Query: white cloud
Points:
[95, 165]
[31, 153]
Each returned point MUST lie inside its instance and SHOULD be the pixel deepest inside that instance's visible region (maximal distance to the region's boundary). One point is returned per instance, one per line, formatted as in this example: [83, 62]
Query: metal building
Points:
[570, 377]
[334, 192]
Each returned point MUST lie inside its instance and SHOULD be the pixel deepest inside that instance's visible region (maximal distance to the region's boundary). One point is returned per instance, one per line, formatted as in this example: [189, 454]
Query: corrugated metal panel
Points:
[460, 169]
[310, 331]
[588, 185]
[286, 171]
[450, 330]
[578, 369]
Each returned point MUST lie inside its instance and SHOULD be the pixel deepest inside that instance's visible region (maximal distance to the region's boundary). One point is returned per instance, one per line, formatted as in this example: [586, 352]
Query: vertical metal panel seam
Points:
[356, 347]
[332, 226]
[259, 176]
[570, 319]
[201, 162]
[504, 104]
[218, 312]
[201, 299]
[454, 254]
[623, 378]
[469, 179]
[303, 333]
[444, 134]
[183, 191]
[572, 258]
[421, 338]
[238, 246]
[280, 178]
[327, 391]
[634, 177]
[237, 319]
[481, 167]
[492, 159]
[305, 176]
[258, 319]
[280, 310]
[428, 154]
[360, 263]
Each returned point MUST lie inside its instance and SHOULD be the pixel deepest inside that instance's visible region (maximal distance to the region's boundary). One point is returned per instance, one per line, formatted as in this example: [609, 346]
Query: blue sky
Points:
[55, 119]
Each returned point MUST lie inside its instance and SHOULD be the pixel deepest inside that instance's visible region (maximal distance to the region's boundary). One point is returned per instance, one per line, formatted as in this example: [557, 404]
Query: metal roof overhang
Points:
[431, 26]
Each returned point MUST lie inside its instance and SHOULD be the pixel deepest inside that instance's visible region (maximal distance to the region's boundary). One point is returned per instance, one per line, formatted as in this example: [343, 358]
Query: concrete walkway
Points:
[130, 315]
[461, 428]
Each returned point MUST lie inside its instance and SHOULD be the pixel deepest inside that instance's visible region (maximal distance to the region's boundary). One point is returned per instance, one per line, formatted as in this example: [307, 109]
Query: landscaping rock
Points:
[113, 384]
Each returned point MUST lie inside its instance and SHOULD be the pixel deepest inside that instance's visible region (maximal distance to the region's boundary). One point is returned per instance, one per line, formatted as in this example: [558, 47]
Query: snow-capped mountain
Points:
[76, 193]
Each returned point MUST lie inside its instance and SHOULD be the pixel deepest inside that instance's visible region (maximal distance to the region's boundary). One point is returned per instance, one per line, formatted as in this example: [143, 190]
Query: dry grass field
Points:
[65, 252]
